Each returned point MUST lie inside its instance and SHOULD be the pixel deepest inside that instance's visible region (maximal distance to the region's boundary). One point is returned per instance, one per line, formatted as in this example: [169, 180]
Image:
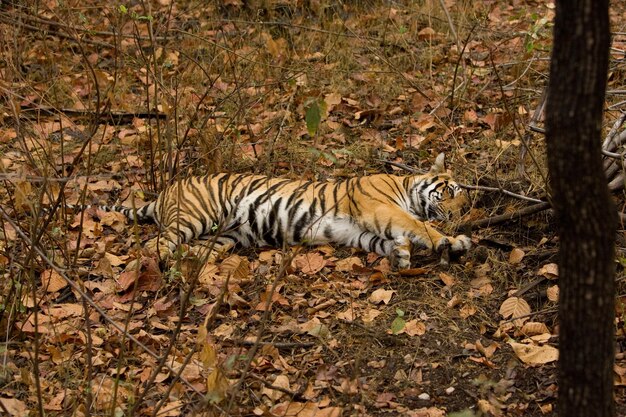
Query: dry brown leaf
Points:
[348, 315]
[516, 256]
[553, 293]
[309, 263]
[426, 412]
[217, 385]
[550, 271]
[51, 281]
[467, 310]
[411, 272]
[347, 264]
[447, 279]
[488, 409]
[23, 194]
[103, 268]
[15, 407]
[236, 266]
[381, 295]
[453, 302]
[487, 351]
[209, 275]
[308, 409]
[515, 307]
[533, 354]
[281, 381]
[534, 328]
[370, 315]
[267, 255]
[414, 328]
[116, 221]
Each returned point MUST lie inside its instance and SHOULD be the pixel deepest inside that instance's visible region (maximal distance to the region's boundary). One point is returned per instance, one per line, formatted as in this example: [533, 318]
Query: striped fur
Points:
[386, 214]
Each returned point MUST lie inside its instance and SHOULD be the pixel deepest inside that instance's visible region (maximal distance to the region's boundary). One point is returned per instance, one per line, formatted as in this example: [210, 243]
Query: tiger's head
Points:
[435, 195]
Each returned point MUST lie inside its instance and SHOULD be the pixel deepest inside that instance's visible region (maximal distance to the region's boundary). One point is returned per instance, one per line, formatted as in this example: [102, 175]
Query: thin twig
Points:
[292, 394]
[501, 190]
[278, 345]
[467, 186]
[490, 221]
[115, 117]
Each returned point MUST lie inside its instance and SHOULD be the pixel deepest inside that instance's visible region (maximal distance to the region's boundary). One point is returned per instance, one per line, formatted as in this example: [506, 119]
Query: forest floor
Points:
[104, 103]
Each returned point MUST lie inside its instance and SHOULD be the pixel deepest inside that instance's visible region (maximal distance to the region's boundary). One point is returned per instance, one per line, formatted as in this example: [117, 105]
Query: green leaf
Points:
[313, 116]
[123, 9]
[397, 325]
[399, 312]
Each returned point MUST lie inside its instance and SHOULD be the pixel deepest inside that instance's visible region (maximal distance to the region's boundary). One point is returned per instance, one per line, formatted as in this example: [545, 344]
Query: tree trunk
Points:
[584, 210]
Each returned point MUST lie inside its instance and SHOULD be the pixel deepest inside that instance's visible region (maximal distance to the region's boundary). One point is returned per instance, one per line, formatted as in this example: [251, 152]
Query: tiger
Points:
[382, 213]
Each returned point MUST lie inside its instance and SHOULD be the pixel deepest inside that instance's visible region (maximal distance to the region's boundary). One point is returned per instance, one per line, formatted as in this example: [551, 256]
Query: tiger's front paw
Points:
[460, 244]
[448, 245]
[401, 253]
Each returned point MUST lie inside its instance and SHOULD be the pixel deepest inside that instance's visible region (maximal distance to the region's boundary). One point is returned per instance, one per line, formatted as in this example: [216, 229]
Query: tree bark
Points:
[584, 210]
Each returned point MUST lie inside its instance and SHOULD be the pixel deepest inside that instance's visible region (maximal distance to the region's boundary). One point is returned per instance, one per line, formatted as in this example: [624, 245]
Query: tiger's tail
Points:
[142, 214]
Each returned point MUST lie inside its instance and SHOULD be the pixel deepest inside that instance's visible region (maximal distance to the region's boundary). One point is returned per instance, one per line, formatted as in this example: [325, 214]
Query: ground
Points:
[104, 104]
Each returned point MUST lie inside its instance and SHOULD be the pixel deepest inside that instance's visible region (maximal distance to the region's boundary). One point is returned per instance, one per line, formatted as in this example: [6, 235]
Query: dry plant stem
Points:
[54, 23]
[501, 190]
[292, 394]
[108, 117]
[458, 63]
[528, 287]
[450, 23]
[533, 314]
[278, 345]
[290, 25]
[491, 221]
[79, 291]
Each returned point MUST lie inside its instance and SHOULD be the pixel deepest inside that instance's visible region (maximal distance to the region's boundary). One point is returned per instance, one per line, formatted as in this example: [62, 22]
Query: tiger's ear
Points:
[439, 167]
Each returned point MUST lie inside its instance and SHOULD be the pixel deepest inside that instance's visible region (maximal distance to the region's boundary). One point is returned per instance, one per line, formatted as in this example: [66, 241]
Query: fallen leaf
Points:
[515, 307]
[550, 271]
[533, 328]
[414, 328]
[553, 293]
[309, 263]
[347, 265]
[15, 407]
[51, 281]
[447, 279]
[533, 354]
[348, 315]
[516, 256]
[370, 315]
[281, 381]
[467, 310]
[235, 266]
[381, 295]
[426, 412]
